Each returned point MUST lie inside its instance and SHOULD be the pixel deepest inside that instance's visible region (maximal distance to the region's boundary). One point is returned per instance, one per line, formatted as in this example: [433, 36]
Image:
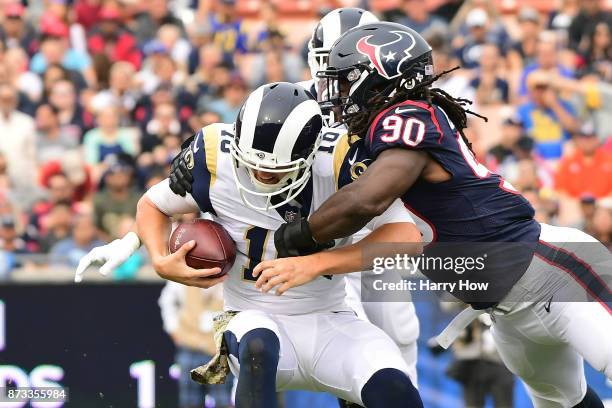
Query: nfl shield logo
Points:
[290, 215]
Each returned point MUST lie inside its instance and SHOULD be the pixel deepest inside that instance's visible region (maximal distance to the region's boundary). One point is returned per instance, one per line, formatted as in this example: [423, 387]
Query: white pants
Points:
[544, 342]
[397, 319]
[327, 352]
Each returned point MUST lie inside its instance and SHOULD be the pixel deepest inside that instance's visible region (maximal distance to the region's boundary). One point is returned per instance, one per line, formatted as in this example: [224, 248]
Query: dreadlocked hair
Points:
[455, 108]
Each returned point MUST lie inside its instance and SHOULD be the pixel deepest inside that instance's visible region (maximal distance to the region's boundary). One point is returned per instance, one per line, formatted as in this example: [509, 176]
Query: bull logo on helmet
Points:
[387, 58]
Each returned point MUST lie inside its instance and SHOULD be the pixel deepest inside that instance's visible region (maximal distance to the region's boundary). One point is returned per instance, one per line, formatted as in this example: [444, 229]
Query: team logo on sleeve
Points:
[359, 168]
[387, 57]
[188, 157]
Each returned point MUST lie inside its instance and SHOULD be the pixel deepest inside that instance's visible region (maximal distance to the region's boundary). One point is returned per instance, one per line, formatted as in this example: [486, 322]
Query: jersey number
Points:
[479, 169]
[411, 130]
[328, 137]
[256, 238]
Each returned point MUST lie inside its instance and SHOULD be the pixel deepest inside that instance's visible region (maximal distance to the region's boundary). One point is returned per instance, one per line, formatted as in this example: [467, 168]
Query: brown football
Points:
[214, 247]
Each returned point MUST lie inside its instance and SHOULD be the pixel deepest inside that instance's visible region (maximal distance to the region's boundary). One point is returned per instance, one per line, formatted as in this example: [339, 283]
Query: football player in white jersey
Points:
[397, 319]
[251, 182]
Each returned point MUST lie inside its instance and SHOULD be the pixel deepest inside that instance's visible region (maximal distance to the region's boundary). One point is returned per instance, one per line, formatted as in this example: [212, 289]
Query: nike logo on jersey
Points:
[547, 305]
[399, 109]
[195, 142]
[354, 158]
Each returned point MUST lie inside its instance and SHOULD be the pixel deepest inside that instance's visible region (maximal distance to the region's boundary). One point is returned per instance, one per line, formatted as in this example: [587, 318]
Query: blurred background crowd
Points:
[96, 97]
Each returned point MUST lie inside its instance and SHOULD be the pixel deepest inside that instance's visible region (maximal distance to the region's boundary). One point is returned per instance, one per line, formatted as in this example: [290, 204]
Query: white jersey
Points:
[215, 192]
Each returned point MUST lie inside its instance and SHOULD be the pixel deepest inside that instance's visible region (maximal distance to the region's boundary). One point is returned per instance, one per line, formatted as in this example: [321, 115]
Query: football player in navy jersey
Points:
[411, 141]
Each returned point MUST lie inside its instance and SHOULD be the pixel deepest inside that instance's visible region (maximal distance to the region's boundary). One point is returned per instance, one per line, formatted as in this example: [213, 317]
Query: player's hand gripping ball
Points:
[214, 247]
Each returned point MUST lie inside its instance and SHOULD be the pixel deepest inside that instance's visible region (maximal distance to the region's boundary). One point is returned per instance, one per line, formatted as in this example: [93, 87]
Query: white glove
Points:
[110, 255]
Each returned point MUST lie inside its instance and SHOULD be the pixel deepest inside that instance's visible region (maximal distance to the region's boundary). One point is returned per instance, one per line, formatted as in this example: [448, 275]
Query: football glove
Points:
[295, 239]
[181, 176]
[110, 255]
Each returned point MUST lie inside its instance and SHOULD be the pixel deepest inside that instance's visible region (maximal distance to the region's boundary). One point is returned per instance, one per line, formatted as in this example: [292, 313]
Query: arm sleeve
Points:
[397, 212]
[169, 203]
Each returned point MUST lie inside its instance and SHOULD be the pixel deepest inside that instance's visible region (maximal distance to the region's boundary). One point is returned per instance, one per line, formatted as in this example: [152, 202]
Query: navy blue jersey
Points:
[475, 205]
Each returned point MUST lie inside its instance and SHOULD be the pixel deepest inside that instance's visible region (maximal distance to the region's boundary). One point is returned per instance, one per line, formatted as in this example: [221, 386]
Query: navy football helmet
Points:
[276, 131]
[374, 59]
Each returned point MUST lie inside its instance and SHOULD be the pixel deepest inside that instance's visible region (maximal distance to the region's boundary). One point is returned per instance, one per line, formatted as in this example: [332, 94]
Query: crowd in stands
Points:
[96, 97]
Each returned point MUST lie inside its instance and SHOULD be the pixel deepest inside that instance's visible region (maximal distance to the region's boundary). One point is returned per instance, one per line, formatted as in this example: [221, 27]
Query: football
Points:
[214, 247]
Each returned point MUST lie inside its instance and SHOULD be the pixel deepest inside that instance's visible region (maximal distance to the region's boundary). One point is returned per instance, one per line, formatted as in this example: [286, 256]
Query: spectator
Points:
[495, 28]
[55, 49]
[270, 18]
[457, 84]
[547, 60]
[178, 47]
[156, 14]
[8, 76]
[233, 96]
[72, 165]
[51, 139]
[59, 191]
[73, 119]
[598, 57]
[121, 92]
[199, 36]
[602, 221]
[276, 63]
[163, 124]
[227, 31]
[9, 237]
[202, 82]
[203, 118]
[69, 251]
[55, 73]
[28, 83]
[117, 198]
[111, 39]
[159, 68]
[15, 32]
[503, 152]
[415, 14]
[587, 208]
[489, 87]
[58, 226]
[590, 14]
[561, 18]
[108, 138]
[165, 94]
[547, 118]
[469, 53]
[523, 51]
[87, 12]
[588, 169]
[17, 138]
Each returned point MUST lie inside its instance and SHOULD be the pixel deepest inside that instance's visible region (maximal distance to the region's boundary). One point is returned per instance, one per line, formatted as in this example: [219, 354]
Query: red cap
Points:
[109, 13]
[14, 10]
[52, 26]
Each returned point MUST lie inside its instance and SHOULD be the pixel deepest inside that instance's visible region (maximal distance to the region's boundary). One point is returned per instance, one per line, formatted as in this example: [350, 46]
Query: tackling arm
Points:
[394, 228]
[354, 205]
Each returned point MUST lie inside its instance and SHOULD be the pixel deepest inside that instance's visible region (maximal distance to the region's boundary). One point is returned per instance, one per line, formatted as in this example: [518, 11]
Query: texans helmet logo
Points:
[388, 57]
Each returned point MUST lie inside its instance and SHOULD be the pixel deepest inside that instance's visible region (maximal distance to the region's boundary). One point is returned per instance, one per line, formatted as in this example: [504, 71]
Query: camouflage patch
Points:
[217, 369]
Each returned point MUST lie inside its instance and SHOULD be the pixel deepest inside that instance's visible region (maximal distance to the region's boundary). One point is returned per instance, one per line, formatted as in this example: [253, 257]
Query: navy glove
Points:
[181, 176]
